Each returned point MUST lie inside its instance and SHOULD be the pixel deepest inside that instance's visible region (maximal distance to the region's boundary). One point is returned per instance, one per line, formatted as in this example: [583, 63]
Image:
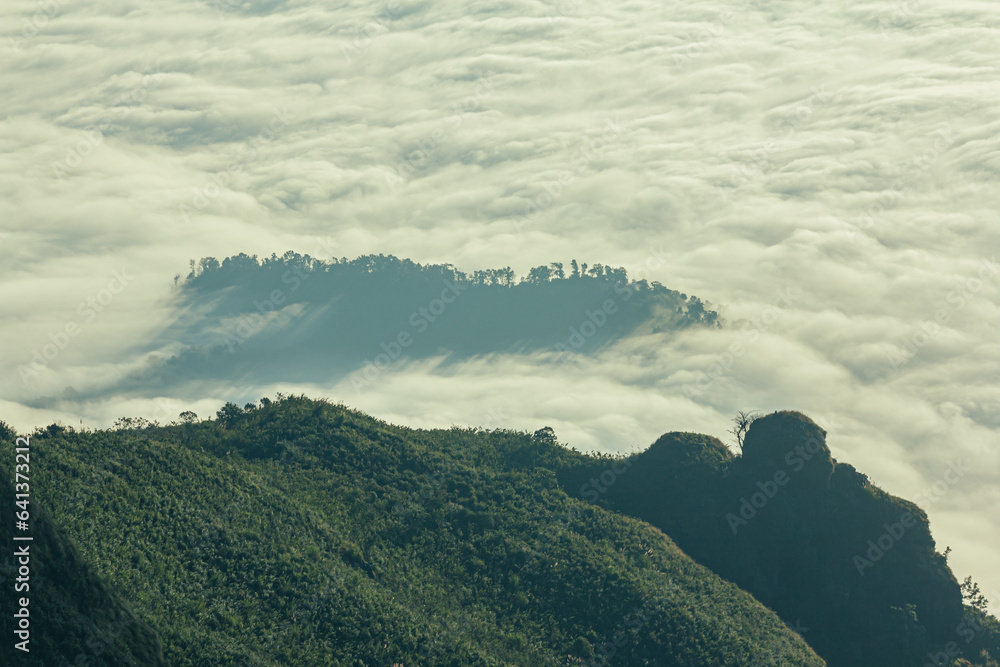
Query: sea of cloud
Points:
[824, 172]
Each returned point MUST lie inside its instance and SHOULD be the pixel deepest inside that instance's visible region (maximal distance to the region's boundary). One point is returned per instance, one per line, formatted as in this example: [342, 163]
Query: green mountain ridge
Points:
[304, 533]
[298, 532]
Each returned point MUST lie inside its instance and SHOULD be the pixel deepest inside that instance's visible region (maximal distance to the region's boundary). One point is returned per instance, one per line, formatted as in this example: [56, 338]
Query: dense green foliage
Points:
[979, 637]
[75, 617]
[807, 536]
[296, 532]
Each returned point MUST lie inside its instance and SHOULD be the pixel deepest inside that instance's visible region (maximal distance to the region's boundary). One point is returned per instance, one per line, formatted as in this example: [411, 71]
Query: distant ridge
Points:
[295, 318]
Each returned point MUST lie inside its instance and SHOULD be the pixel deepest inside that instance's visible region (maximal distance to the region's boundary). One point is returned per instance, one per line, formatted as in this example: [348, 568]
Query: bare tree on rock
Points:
[741, 424]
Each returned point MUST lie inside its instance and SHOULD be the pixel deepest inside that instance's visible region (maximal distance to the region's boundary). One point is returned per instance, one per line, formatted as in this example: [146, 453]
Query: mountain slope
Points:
[75, 616]
[303, 533]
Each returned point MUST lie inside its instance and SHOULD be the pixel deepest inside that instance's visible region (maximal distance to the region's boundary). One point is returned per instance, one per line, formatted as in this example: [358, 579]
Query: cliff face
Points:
[807, 536]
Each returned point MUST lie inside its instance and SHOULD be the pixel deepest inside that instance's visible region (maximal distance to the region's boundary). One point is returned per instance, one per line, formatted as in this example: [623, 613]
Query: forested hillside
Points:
[296, 532]
[75, 617]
